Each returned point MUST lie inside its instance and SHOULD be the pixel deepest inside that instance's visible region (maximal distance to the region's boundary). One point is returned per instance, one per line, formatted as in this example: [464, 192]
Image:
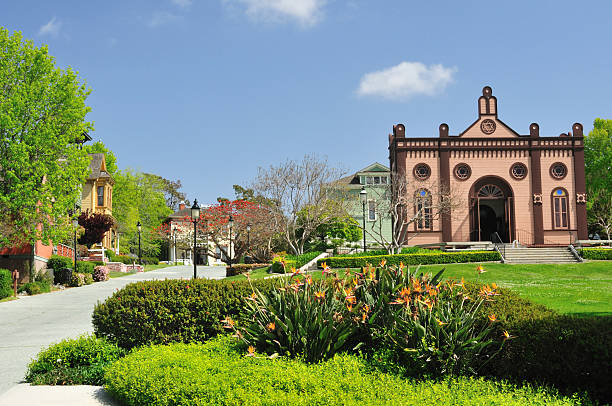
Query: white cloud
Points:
[161, 18]
[51, 28]
[306, 12]
[182, 3]
[406, 80]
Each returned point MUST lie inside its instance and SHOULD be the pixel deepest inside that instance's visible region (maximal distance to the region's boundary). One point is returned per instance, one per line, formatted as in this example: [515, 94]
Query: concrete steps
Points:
[548, 255]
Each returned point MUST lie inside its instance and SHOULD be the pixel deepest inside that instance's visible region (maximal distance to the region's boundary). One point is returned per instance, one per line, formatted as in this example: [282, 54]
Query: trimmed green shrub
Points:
[412, 259]
[6, 283]
[57, 262]
[571, 353]
[125, 259]
[301, 260]
[281, 267]
[77, 279]
[405, 250]
[85, 267]
[88, 278]
[216, 373]
[150, 261]
[596, 253]
[80, 361]
[34, 288]
[62, 276]
[160, 312]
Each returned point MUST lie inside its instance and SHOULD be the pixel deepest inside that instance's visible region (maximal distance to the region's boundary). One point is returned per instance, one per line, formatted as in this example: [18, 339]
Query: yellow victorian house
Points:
[97, 196]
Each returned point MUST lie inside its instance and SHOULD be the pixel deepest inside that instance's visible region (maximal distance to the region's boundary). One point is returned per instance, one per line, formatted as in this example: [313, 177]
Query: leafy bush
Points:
[88, 278]
[34, 288]
[85, 267]
[150, 261]
[80, 361]
[306, 319]
[160, 312]
[572, 353]
[412, 259]
[433, 326]
[216, 373]
[301, 260]
[596, 253]
[57, 262]
[100, 273]
[125, 259]
[6, 283]
[405, 250]
[77, 279]
[62, 276]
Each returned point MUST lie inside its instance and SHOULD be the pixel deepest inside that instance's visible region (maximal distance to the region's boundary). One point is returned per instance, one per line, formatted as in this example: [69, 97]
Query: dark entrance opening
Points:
[491, 210]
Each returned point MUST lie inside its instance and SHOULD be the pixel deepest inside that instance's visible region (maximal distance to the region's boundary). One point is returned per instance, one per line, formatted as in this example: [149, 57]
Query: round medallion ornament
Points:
[558, 170]
[518, 171]
[422, 171]
[487, 126]
[462, 171]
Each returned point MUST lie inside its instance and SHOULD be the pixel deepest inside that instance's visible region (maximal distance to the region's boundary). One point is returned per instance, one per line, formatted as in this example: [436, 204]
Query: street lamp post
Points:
[248, 236]
[229, 254]
[195, 216]
[75, 224]
[363, 196]
[139, 226]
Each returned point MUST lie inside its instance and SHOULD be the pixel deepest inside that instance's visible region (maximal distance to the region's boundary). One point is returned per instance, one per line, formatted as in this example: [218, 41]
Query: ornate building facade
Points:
[510, 186]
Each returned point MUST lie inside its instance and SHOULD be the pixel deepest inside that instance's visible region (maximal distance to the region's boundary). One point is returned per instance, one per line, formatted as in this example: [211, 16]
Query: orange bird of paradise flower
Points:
[250, 351]
[492, 318]
[480, 269]
[271, 326]
[507, 336]
[319, 295]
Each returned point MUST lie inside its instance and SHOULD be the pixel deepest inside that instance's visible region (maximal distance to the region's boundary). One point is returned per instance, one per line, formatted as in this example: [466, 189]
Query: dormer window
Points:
[100, 195]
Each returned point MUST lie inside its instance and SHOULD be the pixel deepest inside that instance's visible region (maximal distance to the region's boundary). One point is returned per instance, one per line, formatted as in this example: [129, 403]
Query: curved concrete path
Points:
[33, 322]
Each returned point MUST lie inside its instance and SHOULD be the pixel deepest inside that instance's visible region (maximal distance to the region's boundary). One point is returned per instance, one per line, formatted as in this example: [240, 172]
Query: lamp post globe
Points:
[195, 216]
[230, 221]
[139, 227]
[363, 196]
[75, 224]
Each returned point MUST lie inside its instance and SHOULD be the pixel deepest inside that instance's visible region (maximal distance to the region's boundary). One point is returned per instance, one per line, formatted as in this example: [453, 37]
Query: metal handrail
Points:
[497, 242]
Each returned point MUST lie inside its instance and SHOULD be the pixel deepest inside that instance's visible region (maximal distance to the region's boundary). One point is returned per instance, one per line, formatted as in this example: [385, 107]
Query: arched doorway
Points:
[491, 210]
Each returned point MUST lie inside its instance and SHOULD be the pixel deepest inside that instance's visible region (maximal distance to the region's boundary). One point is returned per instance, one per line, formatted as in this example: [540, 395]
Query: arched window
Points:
[422, 208]
[560, 208]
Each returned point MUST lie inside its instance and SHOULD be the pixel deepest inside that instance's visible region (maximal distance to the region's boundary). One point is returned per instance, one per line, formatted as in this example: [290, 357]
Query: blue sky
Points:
[207, 91]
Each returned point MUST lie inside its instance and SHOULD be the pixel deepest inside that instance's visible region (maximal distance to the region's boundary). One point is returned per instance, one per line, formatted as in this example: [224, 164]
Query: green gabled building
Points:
[375, 179]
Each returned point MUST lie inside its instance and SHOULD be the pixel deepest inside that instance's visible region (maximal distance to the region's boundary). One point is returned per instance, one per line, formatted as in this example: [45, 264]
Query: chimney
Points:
[487, 103]
[182, 205]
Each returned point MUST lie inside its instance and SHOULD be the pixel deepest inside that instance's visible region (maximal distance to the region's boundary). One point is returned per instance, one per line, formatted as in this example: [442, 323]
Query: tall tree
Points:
[171, 190]
[95, 225]
[598, 172]
[138, 197]
[109, 156]
[42, 117]
[300, 192]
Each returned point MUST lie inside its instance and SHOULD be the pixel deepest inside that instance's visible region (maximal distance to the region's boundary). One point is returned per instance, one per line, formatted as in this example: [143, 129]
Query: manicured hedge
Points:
[62, 276]
[412, 259]
[571, 353]
[216, 373]
[79, 361]
[150, 261]
[85, 267]
[6, 283]
[597, 253]
[58, 262]
[160, 312]
[301, 260]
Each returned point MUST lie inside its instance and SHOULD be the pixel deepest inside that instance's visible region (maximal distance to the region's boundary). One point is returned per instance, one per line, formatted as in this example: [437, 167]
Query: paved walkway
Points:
[33, 322]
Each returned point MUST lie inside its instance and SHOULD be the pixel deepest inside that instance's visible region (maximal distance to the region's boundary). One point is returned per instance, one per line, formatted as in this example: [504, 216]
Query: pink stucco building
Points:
[524, 187]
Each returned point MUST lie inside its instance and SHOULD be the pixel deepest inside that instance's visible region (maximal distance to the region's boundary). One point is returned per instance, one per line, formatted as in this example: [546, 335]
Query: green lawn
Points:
[582, 289]
[258, 273]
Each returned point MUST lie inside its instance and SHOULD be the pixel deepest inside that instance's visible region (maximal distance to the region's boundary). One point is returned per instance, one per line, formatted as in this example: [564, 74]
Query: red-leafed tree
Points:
[95, 225]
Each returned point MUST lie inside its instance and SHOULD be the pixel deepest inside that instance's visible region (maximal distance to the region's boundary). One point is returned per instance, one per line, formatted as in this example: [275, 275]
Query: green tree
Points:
[42, 118]
[99, 147]
[139, 197]
[598, 162]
